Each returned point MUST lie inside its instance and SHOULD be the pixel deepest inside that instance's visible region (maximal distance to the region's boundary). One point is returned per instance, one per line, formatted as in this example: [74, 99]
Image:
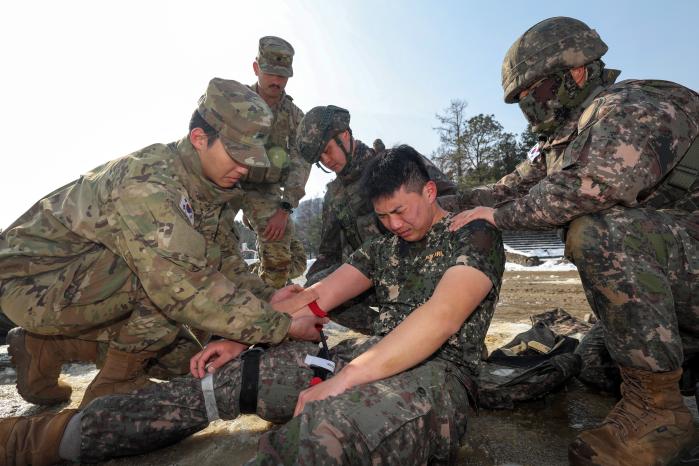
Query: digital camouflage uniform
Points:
[135, 248]
[283, 181]
[348, 220]
[636, 248]
[411, 418]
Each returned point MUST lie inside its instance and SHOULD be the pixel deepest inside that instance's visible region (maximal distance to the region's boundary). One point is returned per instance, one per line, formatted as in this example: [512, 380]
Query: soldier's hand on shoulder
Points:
[468, 216]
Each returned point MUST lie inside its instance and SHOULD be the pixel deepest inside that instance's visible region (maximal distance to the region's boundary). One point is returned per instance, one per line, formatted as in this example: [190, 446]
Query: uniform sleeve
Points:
[479, 245]
[611, 161]
[511, 186]
[294, 183]
[364, 257]
[330, 248]
[233, 266]
[169, 257]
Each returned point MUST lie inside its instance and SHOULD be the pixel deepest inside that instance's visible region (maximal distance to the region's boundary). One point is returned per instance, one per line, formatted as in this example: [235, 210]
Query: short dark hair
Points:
[389, 170]
[197, 121]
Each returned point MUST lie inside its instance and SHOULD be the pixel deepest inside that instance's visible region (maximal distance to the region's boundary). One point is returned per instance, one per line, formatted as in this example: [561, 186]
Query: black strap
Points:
[249, 380]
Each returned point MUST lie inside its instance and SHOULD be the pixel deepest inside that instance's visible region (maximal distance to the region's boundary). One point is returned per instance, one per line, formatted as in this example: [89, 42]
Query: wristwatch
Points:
[286, 207]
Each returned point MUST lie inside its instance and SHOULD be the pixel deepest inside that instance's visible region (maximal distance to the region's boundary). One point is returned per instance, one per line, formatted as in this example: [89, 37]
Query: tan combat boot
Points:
[649, 426]
[38, 360]
[123, 372]
[33, 440]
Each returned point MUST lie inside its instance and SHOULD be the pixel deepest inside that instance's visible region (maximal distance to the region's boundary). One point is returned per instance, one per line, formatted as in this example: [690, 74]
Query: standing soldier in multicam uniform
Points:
[271, 193]
[132, 250]
[400, 397]
[619, 170]
[324, 136]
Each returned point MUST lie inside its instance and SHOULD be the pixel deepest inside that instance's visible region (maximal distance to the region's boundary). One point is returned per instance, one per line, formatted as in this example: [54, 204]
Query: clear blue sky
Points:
[83, 82]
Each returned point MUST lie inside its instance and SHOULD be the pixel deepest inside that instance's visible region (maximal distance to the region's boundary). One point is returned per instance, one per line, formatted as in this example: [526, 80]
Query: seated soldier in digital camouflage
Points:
[617, 169]
[133, 251]
[400, 397]
[325, 137]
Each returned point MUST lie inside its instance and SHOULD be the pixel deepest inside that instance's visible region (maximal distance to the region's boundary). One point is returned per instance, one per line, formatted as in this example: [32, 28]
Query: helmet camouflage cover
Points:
[317, 128]
[553, 45]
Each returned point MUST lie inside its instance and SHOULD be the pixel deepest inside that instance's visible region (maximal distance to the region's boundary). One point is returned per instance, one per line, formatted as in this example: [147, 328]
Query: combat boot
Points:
[123, 372]
[649, 425]
[33, 440]
[38, 360]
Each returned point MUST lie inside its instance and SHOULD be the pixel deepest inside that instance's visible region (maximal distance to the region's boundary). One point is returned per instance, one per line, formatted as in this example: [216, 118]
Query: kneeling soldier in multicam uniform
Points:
[400, 397]
[132, 250]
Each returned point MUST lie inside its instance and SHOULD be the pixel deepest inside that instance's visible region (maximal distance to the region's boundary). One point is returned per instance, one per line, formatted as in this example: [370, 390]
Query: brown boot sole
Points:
[21, 359]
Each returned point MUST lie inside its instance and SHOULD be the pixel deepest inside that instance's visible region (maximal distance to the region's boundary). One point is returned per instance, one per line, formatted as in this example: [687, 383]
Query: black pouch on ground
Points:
[533, 364]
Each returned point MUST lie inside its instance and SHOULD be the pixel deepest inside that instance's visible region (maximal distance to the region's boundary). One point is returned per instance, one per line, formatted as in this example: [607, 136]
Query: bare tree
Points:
[450, 157]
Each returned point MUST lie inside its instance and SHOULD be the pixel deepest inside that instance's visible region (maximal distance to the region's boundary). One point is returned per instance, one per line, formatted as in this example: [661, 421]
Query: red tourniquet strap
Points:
[315, 309]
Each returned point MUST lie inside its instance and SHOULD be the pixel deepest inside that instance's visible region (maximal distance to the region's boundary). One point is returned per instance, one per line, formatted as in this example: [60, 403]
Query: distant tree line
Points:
[476, 150]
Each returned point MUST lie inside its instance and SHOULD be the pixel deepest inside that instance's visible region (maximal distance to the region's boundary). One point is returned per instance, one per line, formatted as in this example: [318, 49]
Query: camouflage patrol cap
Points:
[553, 45]
[242, 119]
[275, 56]
[317, 128]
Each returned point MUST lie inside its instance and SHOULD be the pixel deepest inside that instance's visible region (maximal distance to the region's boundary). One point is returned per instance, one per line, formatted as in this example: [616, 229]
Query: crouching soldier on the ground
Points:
[134, 249]
[325, 137]
[400, 397]
[618, 169]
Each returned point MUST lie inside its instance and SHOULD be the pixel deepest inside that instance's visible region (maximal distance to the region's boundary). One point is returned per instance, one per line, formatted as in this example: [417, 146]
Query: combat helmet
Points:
[318, 127]
[553, 45]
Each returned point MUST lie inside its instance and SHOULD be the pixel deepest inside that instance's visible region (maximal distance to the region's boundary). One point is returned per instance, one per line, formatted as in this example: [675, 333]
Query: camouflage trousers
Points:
[298, 260]
[85, 300]
[357, 314]
[640, 271]
[275, 256]
[411, 418]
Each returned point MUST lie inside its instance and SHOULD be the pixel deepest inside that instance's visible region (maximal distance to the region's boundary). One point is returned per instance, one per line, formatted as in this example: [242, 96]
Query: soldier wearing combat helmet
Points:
[273, 192]
[134, 249]
[618, 169]
[324, 137]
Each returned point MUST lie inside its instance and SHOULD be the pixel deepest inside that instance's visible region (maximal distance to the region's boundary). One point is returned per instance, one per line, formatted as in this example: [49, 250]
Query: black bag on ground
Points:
[533, 364]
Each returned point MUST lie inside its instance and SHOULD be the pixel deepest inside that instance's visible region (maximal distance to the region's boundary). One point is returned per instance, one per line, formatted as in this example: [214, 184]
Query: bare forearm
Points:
[425, 330]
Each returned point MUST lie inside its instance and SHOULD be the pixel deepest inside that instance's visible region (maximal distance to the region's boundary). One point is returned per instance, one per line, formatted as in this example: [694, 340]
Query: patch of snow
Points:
[547, 265]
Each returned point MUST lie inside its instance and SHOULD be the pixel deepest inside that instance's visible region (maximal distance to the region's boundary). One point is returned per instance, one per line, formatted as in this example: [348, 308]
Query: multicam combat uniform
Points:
[349, 221]
[128, 252]
[634, 240]
[266, 188]
[411, 418]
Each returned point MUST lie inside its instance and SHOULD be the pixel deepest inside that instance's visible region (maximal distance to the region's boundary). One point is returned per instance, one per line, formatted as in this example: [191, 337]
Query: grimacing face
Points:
[409, 215]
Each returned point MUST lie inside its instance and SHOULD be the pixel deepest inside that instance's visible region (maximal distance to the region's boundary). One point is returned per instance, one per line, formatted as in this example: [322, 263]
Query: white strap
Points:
[207, 386]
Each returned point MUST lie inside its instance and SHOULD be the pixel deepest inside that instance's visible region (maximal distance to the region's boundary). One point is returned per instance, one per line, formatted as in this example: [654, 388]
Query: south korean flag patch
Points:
[534, 152]
[186, 209]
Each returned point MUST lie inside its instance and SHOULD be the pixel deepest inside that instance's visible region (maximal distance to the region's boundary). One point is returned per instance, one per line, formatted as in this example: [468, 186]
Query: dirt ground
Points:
[534, 433]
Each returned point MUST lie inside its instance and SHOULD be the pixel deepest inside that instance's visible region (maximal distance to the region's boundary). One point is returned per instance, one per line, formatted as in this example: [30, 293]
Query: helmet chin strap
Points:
[348, 155]
[321, 168]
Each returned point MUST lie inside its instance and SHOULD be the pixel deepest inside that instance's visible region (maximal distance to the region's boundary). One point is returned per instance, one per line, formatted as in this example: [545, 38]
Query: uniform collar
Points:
[569, 130]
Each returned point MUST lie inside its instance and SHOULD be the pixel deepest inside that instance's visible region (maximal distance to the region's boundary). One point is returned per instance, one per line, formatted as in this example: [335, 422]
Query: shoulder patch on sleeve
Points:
[534, 152]
[186, 209]
[590, 114]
